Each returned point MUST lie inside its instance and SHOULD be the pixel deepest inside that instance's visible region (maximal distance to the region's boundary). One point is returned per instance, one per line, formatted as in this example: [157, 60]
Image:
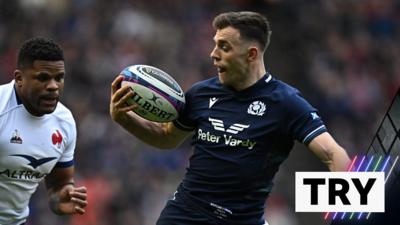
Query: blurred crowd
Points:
[343, 55]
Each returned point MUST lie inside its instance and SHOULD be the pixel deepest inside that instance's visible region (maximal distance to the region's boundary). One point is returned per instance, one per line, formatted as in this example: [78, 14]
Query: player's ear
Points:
[252, 53]
[18, 77]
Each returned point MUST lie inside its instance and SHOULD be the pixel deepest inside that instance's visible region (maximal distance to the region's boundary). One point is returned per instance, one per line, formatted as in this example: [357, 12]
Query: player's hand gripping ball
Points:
[158, 96]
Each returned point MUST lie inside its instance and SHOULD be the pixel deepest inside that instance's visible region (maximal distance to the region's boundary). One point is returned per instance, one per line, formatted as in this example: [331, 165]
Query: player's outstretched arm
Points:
[326, 148]
[160, 135]
[64, 197]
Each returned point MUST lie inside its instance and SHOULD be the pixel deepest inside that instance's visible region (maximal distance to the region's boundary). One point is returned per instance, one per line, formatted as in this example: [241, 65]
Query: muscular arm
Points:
[160, 135]
[64, 197]
[326, 148]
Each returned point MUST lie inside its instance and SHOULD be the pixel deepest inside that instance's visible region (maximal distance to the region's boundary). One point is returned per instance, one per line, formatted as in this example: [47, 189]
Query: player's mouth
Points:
[49, 100]
[221, 69]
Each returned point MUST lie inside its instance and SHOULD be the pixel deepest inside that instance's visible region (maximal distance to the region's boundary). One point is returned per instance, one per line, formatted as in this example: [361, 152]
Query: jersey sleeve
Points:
[67, 158]
[185, 120]
[303, 122]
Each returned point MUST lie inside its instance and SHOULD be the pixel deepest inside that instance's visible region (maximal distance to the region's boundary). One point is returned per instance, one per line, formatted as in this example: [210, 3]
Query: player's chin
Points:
[223, 78]
[47, 108]
[226, 81]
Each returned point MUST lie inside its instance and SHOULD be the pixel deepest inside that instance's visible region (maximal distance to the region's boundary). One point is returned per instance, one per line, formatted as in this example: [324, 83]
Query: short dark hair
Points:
[39, 48]
[251, 25]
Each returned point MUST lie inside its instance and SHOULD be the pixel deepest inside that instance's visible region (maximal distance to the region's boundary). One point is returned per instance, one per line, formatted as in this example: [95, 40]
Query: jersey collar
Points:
[19, 102]
[255, 88]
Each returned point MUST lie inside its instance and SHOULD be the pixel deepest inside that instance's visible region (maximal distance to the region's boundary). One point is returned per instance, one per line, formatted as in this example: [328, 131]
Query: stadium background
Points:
[343, 55]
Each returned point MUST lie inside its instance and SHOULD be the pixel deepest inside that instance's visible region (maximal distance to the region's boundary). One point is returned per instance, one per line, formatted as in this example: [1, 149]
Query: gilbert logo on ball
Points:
[158, 95]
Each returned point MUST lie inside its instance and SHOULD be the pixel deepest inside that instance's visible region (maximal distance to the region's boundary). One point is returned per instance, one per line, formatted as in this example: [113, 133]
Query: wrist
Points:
[57, 195]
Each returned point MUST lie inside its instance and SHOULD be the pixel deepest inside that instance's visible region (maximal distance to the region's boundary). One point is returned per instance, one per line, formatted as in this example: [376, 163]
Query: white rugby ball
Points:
[158, 95]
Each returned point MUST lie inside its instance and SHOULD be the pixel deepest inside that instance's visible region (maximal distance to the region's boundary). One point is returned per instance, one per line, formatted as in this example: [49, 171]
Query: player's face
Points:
[230, 56]
[40, 86]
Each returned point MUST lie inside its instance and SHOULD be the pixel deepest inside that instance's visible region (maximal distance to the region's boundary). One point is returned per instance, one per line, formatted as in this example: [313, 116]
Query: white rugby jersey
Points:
[30, 147]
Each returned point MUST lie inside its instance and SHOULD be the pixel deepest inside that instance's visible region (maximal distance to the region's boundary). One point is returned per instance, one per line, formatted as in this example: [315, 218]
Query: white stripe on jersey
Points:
[235, 128]
[312, 132]
[217, 124]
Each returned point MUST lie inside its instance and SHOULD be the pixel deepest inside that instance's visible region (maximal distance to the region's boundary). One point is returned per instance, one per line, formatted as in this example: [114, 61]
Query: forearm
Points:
[330, 153]
[338, 160]
[151, 133]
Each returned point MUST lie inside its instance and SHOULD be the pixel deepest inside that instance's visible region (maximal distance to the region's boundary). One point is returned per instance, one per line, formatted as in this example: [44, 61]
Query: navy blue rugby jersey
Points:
[241, 138]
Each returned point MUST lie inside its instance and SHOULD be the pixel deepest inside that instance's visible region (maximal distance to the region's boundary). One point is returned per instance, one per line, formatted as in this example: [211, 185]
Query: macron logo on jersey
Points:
[213, 100]
[233, 129]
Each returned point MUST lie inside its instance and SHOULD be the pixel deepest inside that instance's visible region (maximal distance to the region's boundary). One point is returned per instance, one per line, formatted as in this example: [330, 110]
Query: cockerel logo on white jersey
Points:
[233, 129]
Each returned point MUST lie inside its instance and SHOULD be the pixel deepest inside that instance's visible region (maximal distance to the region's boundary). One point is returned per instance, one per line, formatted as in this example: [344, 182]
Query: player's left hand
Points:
[72, 200]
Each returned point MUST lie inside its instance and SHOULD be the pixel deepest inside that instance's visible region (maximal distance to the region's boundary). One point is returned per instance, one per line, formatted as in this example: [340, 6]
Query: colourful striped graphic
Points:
[374, 170]
[366, 169]
[379, 164]
[348, 170]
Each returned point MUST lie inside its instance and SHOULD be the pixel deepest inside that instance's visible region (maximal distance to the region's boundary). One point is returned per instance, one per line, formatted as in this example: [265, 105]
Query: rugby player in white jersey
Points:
[37, 135]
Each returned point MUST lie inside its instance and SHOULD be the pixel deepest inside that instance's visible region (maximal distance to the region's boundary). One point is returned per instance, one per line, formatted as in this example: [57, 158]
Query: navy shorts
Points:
[181, 211]
[177, 213]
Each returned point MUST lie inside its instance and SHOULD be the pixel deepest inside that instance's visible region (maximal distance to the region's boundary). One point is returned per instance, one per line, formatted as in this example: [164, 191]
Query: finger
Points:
[82, 189]
[80, 202]
[114, 85]
[129, 108]
[79, 210]
[78, 195]
[120, 93]
[124, 100]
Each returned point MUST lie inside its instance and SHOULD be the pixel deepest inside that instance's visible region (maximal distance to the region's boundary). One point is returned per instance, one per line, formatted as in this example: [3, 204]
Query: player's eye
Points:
[43, 77]
[225, 47]
[59, 78]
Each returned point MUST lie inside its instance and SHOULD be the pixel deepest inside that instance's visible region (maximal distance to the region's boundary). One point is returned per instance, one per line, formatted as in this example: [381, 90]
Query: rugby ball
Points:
[158, 95]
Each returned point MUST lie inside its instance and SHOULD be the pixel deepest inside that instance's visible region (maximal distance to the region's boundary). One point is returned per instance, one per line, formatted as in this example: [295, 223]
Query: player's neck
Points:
[26, 103]
[254, 74]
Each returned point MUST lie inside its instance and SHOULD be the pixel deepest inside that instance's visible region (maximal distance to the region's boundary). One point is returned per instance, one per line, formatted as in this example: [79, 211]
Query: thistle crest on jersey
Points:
[256, 108]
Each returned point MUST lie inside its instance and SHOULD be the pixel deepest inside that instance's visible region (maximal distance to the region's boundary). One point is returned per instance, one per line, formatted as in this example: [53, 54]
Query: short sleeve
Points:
[185, 120]
[67, 158]
[303, 122]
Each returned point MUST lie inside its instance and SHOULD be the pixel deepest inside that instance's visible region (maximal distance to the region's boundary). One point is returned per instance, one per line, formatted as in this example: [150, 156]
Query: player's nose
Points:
[52, 85]
[214, 54]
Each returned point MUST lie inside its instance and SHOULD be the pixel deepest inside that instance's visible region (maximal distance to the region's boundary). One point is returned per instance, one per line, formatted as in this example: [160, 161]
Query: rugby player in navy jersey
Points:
[243, 124]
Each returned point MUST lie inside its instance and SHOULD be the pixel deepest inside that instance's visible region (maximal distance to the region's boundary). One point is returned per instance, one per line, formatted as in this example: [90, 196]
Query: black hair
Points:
[251, 25]
[39, 48]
